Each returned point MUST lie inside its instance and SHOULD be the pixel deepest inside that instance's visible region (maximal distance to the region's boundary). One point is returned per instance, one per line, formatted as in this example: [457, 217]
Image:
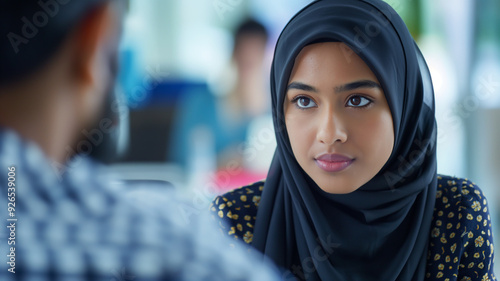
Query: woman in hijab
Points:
[353, 192]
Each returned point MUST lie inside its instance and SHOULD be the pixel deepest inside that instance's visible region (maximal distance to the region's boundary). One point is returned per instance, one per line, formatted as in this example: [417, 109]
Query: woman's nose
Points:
[331, 128]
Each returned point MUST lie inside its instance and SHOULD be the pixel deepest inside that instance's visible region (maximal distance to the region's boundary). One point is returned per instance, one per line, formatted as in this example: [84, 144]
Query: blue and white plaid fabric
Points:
[76, 227]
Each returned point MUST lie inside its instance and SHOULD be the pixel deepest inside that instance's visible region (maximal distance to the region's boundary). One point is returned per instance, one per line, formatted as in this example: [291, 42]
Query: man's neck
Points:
[38, 117]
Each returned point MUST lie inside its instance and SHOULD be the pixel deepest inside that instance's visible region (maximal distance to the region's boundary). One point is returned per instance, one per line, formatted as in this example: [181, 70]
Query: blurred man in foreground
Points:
[57, 70]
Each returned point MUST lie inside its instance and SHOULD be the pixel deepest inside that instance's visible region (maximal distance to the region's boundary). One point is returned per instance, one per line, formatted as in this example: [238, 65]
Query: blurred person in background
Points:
[248, 98]
[221, 121]
[57, 71]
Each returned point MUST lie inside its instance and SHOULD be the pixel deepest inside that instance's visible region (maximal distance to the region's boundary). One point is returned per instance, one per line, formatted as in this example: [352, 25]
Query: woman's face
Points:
[337, 118]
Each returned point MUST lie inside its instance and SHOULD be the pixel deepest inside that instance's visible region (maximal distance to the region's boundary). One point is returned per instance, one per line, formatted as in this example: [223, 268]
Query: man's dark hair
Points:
[31, 32]
[250, 27]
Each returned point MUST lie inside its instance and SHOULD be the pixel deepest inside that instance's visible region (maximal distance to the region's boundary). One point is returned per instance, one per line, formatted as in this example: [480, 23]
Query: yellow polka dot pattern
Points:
[460, 243]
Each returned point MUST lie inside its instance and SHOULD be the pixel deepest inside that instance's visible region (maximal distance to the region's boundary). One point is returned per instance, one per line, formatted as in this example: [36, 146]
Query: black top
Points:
[460, 242]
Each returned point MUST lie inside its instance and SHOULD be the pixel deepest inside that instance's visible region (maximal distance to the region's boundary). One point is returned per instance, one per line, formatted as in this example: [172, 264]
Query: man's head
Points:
[58, 65]
[250, 41]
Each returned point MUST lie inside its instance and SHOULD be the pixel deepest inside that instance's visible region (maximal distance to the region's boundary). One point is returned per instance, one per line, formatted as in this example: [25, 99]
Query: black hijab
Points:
[381, 230]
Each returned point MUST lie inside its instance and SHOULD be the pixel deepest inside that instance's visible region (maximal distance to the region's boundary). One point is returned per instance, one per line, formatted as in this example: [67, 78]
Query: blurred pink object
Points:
[226, 180]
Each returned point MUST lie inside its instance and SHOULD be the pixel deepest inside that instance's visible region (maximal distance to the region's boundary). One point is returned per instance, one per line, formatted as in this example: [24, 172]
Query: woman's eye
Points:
[358, 101]
[304, 102]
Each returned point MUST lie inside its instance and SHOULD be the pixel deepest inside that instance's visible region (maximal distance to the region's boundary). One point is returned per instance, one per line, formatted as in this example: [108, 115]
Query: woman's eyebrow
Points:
[301, 86]
[357, 85]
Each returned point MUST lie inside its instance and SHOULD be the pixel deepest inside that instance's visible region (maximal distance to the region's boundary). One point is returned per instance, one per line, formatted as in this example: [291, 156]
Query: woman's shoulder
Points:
[236, 210]
[461, 207]
[239, 196]
[459, 195]
[461, 237]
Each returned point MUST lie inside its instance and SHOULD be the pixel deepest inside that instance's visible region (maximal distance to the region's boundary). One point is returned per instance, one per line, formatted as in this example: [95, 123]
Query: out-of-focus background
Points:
[194, 89]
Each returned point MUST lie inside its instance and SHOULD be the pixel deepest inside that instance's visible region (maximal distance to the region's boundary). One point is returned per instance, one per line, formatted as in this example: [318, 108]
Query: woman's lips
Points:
[333, 162]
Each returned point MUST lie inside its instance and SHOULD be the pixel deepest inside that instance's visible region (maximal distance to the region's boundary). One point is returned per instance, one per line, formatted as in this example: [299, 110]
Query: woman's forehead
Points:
[328, 61]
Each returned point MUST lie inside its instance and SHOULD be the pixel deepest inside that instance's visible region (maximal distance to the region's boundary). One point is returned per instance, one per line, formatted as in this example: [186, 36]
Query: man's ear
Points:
[94, 33]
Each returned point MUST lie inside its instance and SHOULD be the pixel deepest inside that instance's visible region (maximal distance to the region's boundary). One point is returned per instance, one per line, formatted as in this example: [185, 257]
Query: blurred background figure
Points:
[211, 129]
[249, 95]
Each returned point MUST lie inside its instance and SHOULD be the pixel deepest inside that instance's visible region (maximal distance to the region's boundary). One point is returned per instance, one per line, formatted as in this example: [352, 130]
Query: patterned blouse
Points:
[461, 239]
